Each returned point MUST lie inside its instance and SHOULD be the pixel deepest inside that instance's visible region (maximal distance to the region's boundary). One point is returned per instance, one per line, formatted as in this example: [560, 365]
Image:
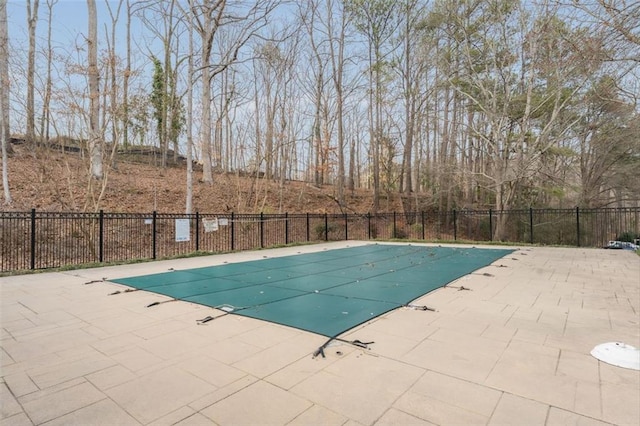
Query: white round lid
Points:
[618, 354]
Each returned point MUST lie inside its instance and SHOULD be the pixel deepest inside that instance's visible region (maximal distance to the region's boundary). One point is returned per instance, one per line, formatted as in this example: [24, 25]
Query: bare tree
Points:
[4, 100]
[163, 21]
[410, 66]
[377, 21]
[113, 71]
[125, 81]
[617, 17]
[275, 65]
[337, 45]
[609, 147]
[241, 23]
[312, 20]
[45, 120]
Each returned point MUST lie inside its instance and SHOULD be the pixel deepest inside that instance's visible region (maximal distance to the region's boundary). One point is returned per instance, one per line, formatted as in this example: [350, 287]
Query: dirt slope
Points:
[51, 180]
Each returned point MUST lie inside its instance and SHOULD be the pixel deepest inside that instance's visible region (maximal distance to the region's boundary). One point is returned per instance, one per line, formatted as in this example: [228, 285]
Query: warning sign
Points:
[183, 230]
[210, 225]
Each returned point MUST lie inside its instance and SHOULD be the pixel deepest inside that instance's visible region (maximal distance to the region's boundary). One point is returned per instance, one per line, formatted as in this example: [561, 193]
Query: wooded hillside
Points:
[443, 104]
[57, 180]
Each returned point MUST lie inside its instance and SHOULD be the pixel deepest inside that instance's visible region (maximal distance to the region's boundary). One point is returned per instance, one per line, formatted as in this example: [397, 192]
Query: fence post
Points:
[490, 225]
[308, 227]
[578, 225]
[286, 228]
[233, 232]
[197, 231]
[33, 238]
[261, 230]
[455, 225]
[368, 225]
[326, 227]
[531, 225]
[101, 237]
[153, 235]
[394, 226]
[346, 224]
[422, 222]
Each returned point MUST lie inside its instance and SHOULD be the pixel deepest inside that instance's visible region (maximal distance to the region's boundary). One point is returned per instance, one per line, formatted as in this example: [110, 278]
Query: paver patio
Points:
[513, 349]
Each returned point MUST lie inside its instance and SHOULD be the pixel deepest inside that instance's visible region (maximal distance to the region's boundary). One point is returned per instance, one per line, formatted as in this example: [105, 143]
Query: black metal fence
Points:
[39, 240]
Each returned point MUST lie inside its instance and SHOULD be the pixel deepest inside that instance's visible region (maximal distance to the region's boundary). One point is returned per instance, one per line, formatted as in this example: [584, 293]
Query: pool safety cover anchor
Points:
[319, 351]
[363, 345]
[129, 290]
[459, 288]
[160, 302]
[419, 308]
[357, 343]
[211, 318]
[205, 320]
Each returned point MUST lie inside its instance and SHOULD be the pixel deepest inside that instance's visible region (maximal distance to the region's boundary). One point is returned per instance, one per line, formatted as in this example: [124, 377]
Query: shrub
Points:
[628, 236]
[399, 233]
[321, 230]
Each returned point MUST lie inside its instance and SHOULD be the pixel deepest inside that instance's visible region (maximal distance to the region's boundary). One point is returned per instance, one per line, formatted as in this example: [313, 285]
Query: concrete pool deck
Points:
[513, 349]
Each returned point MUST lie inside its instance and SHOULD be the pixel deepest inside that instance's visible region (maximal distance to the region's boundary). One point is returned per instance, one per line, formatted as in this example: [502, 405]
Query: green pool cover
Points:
[327, 292]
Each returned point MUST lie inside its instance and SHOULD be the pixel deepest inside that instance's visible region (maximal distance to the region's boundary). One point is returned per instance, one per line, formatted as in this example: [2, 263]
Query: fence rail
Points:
[40, 240]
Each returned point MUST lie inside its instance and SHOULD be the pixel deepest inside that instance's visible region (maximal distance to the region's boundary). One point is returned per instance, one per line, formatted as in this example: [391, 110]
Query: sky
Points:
[69, 23]
[69, 31]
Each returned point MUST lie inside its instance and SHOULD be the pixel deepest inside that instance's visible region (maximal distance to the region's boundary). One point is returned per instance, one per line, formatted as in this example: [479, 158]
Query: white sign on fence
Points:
[183, 230]
[223, 221]
[210, 225]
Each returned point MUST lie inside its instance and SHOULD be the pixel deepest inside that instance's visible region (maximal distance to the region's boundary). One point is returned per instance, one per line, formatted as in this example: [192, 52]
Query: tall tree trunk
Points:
[337, 65]
[259, 142]
[452, 166]
[95, 148]
[443, 178]
[326, 144]
[317, 134]
[221, 113]
[45, 122]
[189, 183]
[113, 93]
[168, 110]
[374, 137]
[406, 184]
[125, 83]
[205, 119]
[351, 183]
[32, 21]
[211, 14]
[4, 100]
[268, 137]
